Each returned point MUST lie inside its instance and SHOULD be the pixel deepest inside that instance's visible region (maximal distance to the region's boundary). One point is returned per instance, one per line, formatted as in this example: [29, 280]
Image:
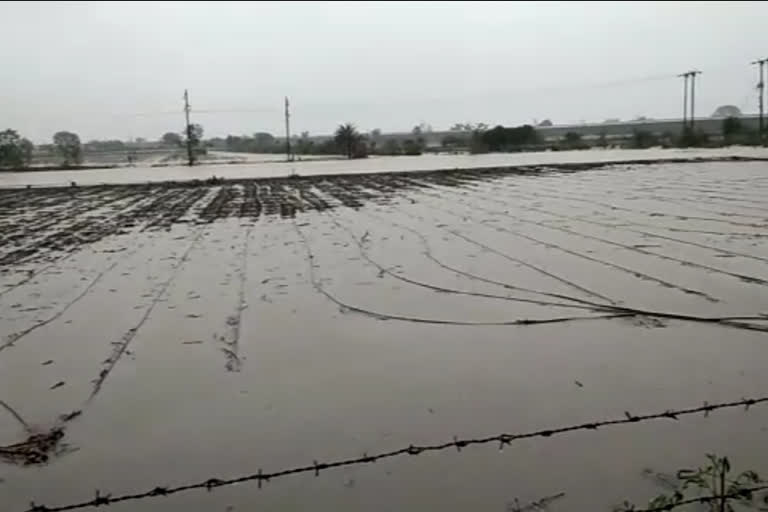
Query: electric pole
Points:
[685, 101]
[189, 128]
[761, 96]
[686, 76]
[693, 97]
[287, 131]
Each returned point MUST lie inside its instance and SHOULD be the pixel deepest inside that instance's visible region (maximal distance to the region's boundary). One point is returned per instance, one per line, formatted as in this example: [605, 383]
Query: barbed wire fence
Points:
[261, 477]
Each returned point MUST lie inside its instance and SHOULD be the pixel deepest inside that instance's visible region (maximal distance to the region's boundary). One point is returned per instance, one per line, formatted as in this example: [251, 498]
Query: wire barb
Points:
[503, 439]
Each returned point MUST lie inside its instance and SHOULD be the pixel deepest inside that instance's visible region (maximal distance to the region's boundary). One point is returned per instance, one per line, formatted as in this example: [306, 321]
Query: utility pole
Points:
[692, 75]
[189, 129]
[685, 101]
[761, 96]
[693, 97]
[287, 131]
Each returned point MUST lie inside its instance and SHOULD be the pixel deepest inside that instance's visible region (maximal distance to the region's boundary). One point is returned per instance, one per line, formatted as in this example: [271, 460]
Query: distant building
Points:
[727, 111]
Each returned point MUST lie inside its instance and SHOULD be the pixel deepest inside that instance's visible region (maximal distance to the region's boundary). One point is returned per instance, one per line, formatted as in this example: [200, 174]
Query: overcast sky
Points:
[118, 70]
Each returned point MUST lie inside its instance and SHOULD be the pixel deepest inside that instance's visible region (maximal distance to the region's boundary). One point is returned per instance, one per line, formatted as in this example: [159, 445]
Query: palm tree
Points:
[347, 138]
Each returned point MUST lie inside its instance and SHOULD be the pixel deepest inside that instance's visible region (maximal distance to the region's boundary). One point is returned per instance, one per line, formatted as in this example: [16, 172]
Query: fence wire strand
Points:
[261, 477]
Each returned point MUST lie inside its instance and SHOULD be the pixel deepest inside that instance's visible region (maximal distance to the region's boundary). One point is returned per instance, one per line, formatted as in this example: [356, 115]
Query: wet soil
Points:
[158, 333]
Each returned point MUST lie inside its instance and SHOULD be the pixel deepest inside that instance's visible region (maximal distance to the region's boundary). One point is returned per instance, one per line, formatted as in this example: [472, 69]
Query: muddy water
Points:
[235, 338]
[309, 167]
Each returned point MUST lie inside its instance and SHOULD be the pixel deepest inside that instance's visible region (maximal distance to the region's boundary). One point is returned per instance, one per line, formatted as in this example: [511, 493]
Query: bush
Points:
[391, 147]
[643, 139]
[500, 138]
[689, 138]
[411, 148]
[572, 140]
[14, 151]
[477, 145]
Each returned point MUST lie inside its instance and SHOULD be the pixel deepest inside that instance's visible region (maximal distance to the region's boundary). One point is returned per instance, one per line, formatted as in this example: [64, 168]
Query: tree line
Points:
[17, 152]
[347, 140]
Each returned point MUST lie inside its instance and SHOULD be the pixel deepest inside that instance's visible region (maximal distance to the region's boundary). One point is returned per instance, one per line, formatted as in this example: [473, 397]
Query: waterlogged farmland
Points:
[154, 334]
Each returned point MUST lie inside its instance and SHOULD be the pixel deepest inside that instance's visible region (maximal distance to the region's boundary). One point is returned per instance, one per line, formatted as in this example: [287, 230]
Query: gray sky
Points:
[118, 70]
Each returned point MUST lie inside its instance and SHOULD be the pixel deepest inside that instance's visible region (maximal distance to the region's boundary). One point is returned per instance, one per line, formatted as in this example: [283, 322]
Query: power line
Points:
[316, 467]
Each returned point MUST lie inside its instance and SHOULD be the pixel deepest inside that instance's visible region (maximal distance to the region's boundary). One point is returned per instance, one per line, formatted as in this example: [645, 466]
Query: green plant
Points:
[12, 151]
[573, 140]
[68, 146]
[412, 148]
[500, 138]
[714, 485]
[392, 147]
[477, 145]
[347, 138]
[689, 138]
[643, 139]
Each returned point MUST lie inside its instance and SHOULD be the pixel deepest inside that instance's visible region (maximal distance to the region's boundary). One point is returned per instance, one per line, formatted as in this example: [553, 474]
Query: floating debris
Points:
[70, 416]
[35, 450]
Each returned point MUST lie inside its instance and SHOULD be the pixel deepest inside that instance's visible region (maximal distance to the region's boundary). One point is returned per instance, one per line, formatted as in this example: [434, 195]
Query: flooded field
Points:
[250, 165]
[159, 334]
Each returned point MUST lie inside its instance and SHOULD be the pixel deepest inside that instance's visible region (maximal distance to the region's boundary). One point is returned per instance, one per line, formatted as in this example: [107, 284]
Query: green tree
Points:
[392, 147]
[451, 141]
[412, 148]
[68, 146]
[572, 138]
[500, 138]
[347, 138]
[643, 139]
[265, 141]
[171, 139]
[11, 150]
[689, 138]
[195, 134]
[27, 148]
[194, 139]
[477, 143]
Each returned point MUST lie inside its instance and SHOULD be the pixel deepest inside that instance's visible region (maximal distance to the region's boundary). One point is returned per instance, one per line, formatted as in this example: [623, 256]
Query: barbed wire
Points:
[316, 467]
